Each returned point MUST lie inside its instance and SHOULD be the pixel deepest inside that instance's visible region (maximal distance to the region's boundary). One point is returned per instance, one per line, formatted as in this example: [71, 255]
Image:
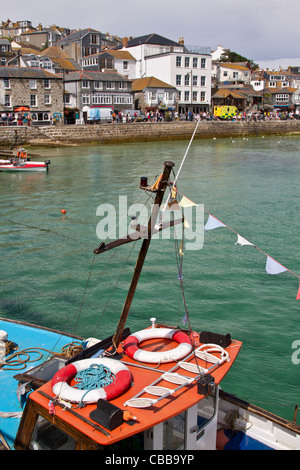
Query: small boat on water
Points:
[155, 389]
[19, 161]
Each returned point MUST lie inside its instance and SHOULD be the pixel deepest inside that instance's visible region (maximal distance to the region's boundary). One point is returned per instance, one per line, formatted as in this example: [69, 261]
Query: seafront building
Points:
[151, 73]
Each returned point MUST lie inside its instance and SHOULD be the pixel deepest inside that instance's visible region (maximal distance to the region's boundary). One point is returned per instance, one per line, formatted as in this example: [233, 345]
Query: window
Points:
[186, 96]
[32, 84]
[195, 80]
[33, 100]
[94, 39]
[7, 102]
[6, 82]
[47, 99]
[125, 64]
[195, 96]
[178, 80]
[235, 74]
[3, 61]
[85, 84]
[178, 61]
[186, 61]
[122, 99]
[47, 83]
[283, 98]
[187, 80]
[98, 85]
[123, 86]
[110, 85]
[195, 62]
[152, 96]
[203, 80]
[85, 99]
[203, 63]
[203, 96]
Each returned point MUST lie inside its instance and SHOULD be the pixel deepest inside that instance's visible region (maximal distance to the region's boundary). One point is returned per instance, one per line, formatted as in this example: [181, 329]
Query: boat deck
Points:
[143, 375]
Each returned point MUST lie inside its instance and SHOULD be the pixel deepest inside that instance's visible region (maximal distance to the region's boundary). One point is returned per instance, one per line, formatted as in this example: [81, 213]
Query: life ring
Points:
[61, 388]
[132, 350]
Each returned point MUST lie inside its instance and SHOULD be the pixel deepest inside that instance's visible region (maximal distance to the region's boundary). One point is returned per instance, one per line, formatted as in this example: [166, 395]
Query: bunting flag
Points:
[242, 241]
[212, 223]
[272, 266]
[298, 295]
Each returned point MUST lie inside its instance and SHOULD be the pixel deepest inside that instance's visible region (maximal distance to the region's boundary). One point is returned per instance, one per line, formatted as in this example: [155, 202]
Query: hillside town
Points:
[54, 75]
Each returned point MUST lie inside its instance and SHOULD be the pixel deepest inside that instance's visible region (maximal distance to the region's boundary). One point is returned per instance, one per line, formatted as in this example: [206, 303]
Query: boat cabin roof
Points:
[143, 375]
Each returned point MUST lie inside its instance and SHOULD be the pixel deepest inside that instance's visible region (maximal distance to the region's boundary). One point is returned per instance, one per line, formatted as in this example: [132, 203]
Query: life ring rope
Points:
[131, 345]
[122, 379]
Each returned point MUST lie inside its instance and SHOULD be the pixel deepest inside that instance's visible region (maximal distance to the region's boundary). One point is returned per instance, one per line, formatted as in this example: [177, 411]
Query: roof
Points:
[231, 65]
[125, 55]
[26, 72]
[224, 93]
[149, 82]
[60, 57]
[102, 76]
[152, 39]
[76, 36]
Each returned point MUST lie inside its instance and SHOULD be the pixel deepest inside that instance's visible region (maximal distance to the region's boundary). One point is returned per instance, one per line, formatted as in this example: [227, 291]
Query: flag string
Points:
[272, 266]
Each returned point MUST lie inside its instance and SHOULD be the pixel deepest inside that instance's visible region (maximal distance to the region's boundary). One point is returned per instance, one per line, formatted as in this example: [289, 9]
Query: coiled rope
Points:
[95, 376]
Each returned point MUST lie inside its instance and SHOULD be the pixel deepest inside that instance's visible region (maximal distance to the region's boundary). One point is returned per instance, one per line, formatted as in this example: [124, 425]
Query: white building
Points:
[187, 69]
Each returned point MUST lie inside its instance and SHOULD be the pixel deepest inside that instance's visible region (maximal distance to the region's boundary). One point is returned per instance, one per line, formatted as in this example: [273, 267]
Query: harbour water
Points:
[50, 276]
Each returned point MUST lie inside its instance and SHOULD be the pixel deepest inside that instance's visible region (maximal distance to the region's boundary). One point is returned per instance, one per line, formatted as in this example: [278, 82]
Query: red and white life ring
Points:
[132, 350]
[63, 390]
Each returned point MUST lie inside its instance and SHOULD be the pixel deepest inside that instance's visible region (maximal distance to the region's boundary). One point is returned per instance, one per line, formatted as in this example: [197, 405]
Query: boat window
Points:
[206, 410]
[173, 433]
[46, 436]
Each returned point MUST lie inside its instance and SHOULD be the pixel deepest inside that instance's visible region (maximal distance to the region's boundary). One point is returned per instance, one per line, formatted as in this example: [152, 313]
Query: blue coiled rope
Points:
[96, 376]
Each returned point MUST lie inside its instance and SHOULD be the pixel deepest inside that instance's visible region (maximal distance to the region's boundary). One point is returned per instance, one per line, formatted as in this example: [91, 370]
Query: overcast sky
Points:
[261, 30]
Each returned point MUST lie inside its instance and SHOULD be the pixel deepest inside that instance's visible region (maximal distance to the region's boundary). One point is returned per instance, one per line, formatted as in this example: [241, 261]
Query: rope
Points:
[96, 376]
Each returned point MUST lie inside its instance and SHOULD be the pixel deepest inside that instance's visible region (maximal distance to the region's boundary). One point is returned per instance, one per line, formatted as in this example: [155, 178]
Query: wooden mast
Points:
[143, 251]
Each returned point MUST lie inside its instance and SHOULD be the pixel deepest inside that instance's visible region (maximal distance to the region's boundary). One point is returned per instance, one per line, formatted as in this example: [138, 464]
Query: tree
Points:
[235, 57]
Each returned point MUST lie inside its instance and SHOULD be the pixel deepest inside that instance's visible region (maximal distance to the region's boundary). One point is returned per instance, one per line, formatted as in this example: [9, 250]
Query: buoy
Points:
[63, 211]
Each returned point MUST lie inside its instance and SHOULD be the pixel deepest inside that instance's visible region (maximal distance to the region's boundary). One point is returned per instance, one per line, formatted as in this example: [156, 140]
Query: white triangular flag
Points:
[242, 241]
[212, 223]
[273, 267]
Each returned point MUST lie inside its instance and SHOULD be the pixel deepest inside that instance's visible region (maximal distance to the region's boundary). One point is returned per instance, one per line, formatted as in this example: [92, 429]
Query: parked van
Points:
[98, 115]
[135, 115]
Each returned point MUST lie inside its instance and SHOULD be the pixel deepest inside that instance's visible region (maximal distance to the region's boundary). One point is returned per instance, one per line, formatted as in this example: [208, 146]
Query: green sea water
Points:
[50, 276]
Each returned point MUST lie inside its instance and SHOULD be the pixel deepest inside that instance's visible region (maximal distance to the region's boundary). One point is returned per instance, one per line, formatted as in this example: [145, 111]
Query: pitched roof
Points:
[149, 82]
[224, 93]
[151, 39]
[101, 76]
[232, 65]
[76, 36]
[125, 55]
[26, 72]
[60, 57]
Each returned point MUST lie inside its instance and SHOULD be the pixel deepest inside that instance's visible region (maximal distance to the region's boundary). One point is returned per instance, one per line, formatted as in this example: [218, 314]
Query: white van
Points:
[98, 115]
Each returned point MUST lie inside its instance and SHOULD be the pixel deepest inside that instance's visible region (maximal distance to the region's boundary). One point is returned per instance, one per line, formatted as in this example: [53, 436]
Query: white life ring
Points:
[63, 390]
[183, 349]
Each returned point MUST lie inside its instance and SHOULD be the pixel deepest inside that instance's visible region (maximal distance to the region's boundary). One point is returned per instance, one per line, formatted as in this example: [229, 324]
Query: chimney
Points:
[181, 41]
[125, 42]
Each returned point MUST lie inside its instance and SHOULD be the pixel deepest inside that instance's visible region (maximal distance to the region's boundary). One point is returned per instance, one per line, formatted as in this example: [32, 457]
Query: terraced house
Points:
[85, 91]
[40, 91]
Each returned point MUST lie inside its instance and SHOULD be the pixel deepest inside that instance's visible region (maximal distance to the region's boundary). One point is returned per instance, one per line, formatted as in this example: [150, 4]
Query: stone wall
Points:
[138, 132]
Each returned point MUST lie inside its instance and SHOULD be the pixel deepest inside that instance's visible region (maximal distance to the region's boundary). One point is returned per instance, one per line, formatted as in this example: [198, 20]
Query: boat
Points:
[21, 164]
[19, 161]
[156, 389]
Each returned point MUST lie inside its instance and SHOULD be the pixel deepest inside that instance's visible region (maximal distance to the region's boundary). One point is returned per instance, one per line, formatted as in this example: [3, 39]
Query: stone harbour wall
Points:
[60, 135]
